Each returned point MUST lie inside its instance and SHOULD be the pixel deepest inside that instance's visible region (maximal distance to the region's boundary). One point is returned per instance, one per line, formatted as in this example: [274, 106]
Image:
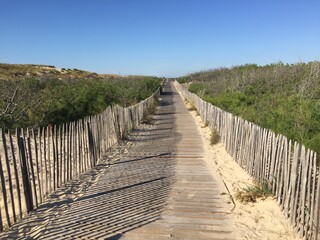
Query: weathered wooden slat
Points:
[303, 191]
[24, 171]
[64, 155]
[45, 161]
[74, 151]
[1, 222]
[35, 143]
[316, 222]
[296, 213]
[31, 169]
[16, 174]
[40, 160]
[56, 138]
[79, 148]
[12, 200]
[49, 159]
[60, 155]
[4, 194]
[306, 224]
[289, 179]
[54, 159]
[68, 136]
[313, 194]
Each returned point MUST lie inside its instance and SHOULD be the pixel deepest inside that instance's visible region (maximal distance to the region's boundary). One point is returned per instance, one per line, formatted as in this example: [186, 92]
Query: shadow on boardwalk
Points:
[126, 190]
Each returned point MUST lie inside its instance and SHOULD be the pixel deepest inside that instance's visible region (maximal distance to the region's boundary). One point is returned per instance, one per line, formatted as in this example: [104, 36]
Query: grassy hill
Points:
[38, 95]
[21, 71]
[281, 97]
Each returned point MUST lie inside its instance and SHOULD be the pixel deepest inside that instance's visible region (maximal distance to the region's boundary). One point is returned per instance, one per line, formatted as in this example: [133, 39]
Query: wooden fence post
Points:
[25, 173]
[4, 142]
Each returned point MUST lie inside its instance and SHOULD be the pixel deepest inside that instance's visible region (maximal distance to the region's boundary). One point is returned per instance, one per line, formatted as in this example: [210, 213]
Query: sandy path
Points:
[262, 220]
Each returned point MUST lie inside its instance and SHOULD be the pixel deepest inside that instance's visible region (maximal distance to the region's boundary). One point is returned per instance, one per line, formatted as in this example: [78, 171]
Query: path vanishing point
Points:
[155, 185]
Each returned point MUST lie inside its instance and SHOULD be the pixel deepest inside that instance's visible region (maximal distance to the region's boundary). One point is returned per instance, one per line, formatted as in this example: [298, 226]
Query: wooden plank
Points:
[71, 152]
[4, 194]
[45, 161]
[242, 143]
[313, 193]
[62, 153]
[74, 150]
[71, 156]
[5, 148]
[83, 144]
[79, 147]
[285, 173]
[297, 189]
[54, 159]
[41, 164]
[271, 166]
[60, 156]
[56, 132]
[280, 180]
[39, 192]
[276, 173]
[31, 167]
[68, 160]
[16, 174]
[49, 164]
[288, 179]
[316, 228]
[90, 140]
[308, 193]
[265, 152]
[304, 182]
[1, 222]
[25, 173]
[278, 167]
[98, 134]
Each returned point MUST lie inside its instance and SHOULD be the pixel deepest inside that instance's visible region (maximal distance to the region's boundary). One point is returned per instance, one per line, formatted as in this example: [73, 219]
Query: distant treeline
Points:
[33, 102]
[281, 97]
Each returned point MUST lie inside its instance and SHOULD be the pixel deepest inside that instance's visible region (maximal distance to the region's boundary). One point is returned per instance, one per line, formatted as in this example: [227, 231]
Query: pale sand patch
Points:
[262, 220]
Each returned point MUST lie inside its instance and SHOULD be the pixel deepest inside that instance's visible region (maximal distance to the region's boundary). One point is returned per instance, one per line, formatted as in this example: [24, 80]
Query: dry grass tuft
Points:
[214, 138]
[253, 192]
[191, 107]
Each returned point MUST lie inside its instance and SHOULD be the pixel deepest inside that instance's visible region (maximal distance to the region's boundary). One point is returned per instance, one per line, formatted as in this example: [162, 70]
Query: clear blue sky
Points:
[163, 38]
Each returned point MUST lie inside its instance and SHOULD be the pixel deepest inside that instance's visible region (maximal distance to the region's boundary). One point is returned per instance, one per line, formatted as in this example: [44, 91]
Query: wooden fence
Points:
[288, 168]
[35, 162]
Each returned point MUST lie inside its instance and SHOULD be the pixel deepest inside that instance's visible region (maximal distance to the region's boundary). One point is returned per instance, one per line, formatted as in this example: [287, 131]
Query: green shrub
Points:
[281, 97]
[39, 102]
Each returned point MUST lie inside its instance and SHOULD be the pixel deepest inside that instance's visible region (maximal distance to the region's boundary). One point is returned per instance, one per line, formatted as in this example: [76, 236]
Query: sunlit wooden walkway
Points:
[155, 186]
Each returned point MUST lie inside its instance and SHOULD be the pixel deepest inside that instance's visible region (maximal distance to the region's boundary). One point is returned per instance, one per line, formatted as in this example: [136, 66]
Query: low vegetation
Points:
[148, 116]
[191, 107]
[281, 97]
[35, 98]
[214, 137]
[43, 72]
[253, 192]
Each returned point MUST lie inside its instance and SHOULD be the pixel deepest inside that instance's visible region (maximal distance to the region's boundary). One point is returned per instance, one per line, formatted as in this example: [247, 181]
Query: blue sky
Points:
[162, 38]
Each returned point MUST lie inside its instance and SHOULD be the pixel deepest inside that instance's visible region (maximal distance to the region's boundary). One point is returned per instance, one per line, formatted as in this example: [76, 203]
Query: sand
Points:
[260, 220]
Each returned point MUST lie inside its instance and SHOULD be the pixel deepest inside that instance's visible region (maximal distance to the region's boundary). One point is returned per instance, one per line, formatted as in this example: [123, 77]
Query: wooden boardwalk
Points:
[155, 186]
